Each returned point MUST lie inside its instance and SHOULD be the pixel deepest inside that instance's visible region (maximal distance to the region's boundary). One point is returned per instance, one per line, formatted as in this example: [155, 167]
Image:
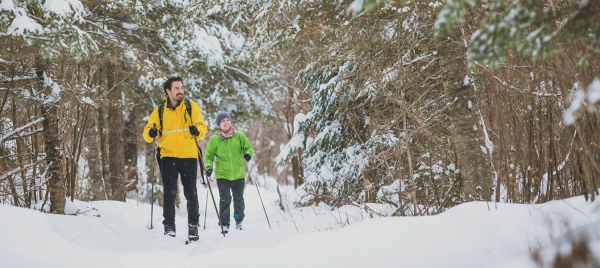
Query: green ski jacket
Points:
[229, 154]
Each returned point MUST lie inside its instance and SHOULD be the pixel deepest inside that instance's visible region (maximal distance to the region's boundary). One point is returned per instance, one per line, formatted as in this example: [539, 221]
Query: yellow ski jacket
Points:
[176, 140]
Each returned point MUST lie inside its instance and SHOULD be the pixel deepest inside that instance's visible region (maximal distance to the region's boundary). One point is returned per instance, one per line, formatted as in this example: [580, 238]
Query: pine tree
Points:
[47, 32]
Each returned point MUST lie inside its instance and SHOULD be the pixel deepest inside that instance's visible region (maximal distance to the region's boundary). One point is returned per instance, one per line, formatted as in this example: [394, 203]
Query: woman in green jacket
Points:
[228, 146]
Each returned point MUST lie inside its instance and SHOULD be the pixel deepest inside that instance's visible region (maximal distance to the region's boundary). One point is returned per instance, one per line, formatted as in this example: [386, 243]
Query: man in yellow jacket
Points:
[177, 130]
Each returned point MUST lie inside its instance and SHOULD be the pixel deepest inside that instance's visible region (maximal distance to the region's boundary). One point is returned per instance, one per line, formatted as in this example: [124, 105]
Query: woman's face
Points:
[225, 124]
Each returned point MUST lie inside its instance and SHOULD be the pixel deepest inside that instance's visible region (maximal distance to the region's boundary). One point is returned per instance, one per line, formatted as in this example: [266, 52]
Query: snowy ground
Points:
[115, 234]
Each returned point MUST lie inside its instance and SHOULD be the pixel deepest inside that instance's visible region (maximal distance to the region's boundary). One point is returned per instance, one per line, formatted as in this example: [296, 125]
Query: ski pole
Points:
[261, 201]
[152, 195]
[205, 209]
[201, 162]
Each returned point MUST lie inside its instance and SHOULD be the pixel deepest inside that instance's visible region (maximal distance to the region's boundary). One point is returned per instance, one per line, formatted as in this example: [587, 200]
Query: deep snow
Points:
[115, 234]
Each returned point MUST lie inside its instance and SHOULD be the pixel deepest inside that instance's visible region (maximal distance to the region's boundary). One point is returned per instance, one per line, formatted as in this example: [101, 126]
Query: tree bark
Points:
[79, 131]
[115, 140]
[21, 160]
[476, 170]
[35, 189]
[104, 165]
[96, 189]
[409, 159]
[131, 152]
[52, 142]
[296, 169]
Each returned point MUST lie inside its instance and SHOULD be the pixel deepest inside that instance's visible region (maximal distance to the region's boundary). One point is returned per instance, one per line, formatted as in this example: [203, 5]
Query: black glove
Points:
[194, 131]
[208, 172]
[247, 156]
[153, 133]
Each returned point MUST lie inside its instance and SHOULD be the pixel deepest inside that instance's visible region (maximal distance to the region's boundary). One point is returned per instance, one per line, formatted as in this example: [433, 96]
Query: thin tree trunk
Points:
[131, 153]
[13, 191]
[531, 157]
[103, 146]
[553, 161]
[409, 156]
[82, 133]
[5, 98]
[20, 154]
[33, 185]
[79, 131]
[93, 157]
[296, 168]
[400, 178]
[72, 166]
[52, 143]
[103, 151]
[116, 144]
[34, 158]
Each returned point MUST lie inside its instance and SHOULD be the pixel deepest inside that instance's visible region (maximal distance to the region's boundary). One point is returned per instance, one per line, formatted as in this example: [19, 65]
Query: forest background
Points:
[422, 105]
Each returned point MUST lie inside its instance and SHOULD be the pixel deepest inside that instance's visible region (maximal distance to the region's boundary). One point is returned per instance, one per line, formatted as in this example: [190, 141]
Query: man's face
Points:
[176, 91]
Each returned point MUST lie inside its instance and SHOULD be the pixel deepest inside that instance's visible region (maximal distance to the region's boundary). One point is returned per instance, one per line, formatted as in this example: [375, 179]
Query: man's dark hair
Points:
[167, 84]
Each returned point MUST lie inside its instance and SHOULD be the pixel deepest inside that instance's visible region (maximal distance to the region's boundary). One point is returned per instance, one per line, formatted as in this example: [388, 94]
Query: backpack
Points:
[161, 109]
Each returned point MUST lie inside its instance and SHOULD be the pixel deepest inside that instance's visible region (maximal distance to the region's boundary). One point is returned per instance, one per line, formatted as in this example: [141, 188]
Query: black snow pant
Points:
[226, 187]
[170, 169]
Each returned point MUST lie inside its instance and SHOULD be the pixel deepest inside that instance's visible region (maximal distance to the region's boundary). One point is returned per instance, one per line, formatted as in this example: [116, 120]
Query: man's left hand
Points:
[194, 131]
[247, 156]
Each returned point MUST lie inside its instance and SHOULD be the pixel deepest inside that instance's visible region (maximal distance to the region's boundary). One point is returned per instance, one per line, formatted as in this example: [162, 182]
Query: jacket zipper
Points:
[230, 158]
[176, 134]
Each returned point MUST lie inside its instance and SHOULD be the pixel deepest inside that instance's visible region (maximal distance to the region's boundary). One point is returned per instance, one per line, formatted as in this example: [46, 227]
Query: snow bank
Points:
[115, 234]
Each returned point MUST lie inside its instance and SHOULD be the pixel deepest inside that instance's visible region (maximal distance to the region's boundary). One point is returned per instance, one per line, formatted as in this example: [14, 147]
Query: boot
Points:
[238, 225]
[193, 233]
[170, 230]
[225, 229]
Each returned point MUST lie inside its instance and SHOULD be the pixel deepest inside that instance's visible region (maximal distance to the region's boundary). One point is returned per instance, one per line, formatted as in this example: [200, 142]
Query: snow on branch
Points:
[23, 23]
[419, 58]
[17, 170]
[20, 129]
[6, 79]
[582, 100]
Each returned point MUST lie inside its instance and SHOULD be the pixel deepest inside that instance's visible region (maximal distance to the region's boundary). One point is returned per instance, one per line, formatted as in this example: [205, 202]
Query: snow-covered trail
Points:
[114, 234]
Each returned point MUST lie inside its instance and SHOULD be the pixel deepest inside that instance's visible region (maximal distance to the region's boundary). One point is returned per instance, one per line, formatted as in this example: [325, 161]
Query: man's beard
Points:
[177, 99]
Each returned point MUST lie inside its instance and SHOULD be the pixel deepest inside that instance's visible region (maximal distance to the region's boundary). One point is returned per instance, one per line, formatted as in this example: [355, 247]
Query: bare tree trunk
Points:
[409, 159]
[79, 131]
[116, 144]
[104, 166]
[72, 164]
[400, 179]
[296, 169]
[476, 170]
[52, 142]
[20, 154]
[131, 152]
[7, 165]
[530, 159]
[93, 157]
[34, 158]
[552, 164]
[13, 191]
